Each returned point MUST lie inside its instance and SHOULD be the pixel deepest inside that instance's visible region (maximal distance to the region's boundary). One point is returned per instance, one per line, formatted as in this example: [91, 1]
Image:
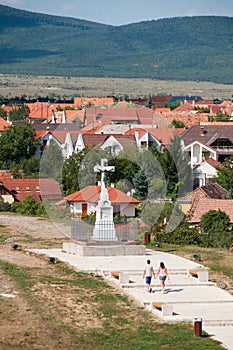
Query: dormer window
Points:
[28, 189]
[37, 189]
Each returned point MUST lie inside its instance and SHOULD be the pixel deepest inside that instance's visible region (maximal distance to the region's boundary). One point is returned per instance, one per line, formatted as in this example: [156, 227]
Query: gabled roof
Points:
[200, 143]
[163, 136]
[202, 205]
[213, 190]
[92, 194]
[214, 163]
[210, 134]
[91, 140]
[38, 188]
[184, 107]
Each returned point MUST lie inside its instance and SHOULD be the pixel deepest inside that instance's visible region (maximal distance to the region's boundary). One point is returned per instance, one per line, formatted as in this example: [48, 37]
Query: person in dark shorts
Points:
[162, 273]
[148, 273]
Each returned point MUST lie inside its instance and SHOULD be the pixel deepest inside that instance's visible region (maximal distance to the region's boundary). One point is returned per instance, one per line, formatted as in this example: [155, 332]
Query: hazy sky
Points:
[118, 12]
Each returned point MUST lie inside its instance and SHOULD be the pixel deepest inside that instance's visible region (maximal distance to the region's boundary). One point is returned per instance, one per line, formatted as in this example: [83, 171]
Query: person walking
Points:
[162, 273]
[148, 273]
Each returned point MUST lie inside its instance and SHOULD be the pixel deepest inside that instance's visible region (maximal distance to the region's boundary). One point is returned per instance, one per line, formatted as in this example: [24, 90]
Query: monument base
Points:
[108, 249]
[104, 231]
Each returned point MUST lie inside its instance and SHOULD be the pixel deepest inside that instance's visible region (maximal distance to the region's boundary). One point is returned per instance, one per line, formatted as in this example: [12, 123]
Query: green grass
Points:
[120, 323]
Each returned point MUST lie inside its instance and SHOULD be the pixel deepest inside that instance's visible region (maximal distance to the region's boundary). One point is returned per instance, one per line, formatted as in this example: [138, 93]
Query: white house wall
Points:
[68, 148]
[127, 209]
[112, 144]
[79, 144]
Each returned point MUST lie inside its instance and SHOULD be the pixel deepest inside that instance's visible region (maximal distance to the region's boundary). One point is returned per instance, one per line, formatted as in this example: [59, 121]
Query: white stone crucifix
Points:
[104, 168]
[104, 226]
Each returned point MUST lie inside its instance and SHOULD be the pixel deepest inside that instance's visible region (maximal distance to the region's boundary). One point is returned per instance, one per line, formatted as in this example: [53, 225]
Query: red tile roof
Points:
[202, 205]
[39, 188]
[4, 124]
[92, 194]
[162, 135]
[91, 140]
[96, 101]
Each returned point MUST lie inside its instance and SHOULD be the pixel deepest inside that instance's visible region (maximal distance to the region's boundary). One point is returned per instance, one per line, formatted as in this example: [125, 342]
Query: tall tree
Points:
[225, 175]
[51, 162]
[17, 143]
[177, 169]
[19, 114]
[71, 170]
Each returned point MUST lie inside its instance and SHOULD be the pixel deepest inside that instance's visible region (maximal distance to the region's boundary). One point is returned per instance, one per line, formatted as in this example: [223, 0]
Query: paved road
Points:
[188, 297]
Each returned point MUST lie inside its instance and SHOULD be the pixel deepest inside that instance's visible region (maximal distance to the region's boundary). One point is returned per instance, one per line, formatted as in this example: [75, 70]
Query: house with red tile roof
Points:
[3, 125]
[201, 206]
[124, 116]
[43, 111]
[86, 200]
[65, 138]
[16, 190]
[212, 190]
[114, 142]
[147, 137]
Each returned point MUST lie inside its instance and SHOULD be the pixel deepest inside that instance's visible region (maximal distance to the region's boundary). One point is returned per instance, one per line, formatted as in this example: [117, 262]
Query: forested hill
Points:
[186, 48]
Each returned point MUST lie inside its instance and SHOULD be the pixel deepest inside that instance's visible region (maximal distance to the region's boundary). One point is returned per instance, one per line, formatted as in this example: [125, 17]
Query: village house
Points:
[211, 191]
[16, 190]
[84, 202]
[208, 141]
[201, 206]
[113, 143]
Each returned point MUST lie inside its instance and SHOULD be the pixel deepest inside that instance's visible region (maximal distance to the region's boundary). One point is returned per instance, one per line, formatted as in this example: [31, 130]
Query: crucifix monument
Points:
[104, 226]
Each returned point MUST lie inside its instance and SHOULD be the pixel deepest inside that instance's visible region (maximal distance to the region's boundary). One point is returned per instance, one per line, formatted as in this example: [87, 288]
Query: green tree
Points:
[140, 183]
[215, 225]
[178, 124]
[3, 113]
[225, 175]
[125, 165]
[176, 169]
[173, 105]
[17, 143]
[71, 170]
[29, 207]
[51, 162]
[19, 114]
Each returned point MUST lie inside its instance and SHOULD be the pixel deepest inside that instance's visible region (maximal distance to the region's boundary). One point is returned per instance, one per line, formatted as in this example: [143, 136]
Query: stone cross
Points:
[104, 168]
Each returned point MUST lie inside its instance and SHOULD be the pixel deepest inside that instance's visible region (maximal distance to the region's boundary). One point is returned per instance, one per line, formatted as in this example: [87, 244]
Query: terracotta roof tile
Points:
[38, 188]
[4, 124]
[92, 194]
[202, 205]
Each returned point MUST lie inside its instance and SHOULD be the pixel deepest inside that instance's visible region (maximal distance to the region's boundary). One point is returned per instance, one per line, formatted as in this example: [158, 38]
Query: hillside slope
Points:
[188, 48]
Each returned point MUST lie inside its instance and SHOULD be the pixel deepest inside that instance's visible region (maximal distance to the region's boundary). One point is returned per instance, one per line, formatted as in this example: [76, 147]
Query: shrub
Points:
[182, 235]
[29, 207]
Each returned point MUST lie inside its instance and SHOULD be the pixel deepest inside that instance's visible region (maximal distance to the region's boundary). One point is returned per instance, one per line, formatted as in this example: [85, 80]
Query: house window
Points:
[37, 189]
[17, 189]
[28, 189]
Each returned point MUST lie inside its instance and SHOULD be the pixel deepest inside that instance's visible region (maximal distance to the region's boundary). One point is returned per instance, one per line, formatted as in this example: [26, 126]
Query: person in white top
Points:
[148, 273]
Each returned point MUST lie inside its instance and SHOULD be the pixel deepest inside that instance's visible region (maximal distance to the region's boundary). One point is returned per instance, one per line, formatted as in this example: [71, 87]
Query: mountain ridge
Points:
[181, 48]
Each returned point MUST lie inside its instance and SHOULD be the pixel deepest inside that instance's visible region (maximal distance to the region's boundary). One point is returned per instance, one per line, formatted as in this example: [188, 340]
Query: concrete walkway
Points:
[186, 298]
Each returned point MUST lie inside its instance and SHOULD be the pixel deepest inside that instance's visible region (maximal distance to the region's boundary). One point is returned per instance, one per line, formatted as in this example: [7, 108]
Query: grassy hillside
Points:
[188, 48]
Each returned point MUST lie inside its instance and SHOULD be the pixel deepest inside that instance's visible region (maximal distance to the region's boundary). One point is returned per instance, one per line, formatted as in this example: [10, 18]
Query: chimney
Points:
[136, 135]
[202, 130]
